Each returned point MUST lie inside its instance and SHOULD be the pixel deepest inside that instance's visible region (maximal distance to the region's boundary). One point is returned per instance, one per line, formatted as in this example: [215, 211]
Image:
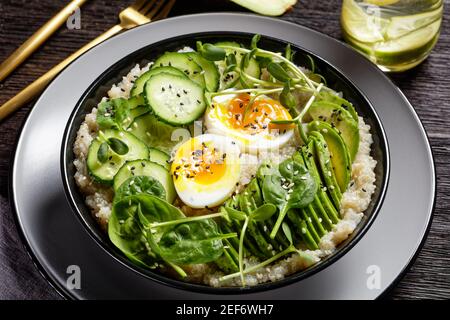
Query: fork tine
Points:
[154, 10]
[138, 4]
[165, 10]
[150, 3]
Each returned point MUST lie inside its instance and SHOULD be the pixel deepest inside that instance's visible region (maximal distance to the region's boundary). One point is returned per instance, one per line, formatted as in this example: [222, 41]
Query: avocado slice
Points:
[335, 148]
[323, 160]
[340, 119]
[227, 263]
[325, 210]
[249, 201]
[333, 98]
[302, 229]
[329, 214]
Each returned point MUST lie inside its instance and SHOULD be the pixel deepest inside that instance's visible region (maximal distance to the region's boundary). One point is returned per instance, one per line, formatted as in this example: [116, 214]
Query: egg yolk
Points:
[258, 118]
[200, 162]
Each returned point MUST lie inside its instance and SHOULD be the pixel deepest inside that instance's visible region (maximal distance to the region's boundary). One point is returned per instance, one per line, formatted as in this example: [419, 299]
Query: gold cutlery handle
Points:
[29, 46]
[38, 85]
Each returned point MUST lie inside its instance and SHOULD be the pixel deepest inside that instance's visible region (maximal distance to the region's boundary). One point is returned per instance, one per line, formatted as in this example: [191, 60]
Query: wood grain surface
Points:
[427, 87]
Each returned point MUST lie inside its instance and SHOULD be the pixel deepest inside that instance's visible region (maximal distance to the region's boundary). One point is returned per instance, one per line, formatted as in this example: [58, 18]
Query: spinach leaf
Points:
[192, 243]
[181, 241]
[127, 226]
[140, 185]
[291, 187]
[126, 232]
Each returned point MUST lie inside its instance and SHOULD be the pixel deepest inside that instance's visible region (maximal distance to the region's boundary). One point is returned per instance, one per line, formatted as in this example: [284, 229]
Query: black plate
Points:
[335, 80]
[56, 240]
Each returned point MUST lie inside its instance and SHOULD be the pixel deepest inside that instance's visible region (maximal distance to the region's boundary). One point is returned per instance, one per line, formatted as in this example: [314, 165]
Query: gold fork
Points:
[141, 12]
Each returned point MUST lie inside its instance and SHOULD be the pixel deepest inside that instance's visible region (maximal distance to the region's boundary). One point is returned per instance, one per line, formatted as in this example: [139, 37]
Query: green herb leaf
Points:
[285, 121]
[287, 99]
[102, 153]
[255, 40]
[118, 146]
[278, 72]
[210, 51]
[235, 214]
[287, 232]
[263, 213]
[312, 64]
[117, 113]
[288, 53]
[246, 58]
[231, 59]
[263, 61]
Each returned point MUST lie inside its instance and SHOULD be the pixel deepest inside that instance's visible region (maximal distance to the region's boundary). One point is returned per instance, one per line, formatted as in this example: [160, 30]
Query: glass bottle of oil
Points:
[395, 34]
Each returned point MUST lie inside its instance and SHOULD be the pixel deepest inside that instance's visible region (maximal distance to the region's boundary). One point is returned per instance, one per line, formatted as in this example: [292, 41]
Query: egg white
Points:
[261, 141]
[197, 195]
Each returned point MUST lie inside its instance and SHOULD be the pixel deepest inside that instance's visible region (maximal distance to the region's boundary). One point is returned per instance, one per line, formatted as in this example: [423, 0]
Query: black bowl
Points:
[335, 80]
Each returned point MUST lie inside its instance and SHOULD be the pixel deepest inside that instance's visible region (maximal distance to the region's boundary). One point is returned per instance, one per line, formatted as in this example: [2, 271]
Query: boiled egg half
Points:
[231, 115]
[206, 169]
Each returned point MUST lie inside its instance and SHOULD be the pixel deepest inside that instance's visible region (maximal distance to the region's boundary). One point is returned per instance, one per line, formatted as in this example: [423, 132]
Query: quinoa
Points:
[99, 197]
[355, 200]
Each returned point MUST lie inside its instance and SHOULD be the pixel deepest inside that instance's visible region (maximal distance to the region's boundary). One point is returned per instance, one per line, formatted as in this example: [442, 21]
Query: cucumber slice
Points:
[136, 101]
[182, 62]
[105, 172]
[212, 76]
[146, 168]
[175, 99]
[159, 157]
[136, 113]
[140, 82]
[154, 132]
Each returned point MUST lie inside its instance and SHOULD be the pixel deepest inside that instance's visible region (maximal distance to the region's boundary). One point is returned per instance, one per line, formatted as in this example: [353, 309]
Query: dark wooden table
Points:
[427, 87]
